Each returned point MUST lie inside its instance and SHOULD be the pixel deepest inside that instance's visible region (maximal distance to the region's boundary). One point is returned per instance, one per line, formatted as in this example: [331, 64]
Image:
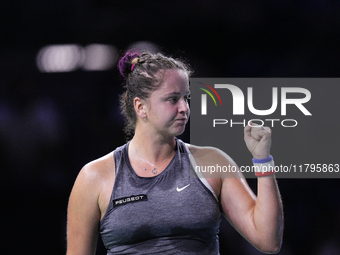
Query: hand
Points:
[258, 140]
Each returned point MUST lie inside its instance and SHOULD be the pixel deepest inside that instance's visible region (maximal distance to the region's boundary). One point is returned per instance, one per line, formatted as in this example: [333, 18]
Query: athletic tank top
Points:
[171, 213]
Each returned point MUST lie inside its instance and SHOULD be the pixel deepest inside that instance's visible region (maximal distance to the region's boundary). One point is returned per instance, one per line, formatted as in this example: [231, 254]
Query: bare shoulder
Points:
[101, 167]
[210, 155]
[95, 179]
[215, 165]
[85, 208]
[215, 162]
[94, 184]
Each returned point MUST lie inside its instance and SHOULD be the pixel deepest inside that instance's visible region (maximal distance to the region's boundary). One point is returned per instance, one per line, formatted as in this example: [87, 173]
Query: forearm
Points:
[268, 215]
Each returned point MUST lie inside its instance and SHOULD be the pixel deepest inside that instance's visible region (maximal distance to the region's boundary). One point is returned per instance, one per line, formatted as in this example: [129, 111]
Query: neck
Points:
[151, 148]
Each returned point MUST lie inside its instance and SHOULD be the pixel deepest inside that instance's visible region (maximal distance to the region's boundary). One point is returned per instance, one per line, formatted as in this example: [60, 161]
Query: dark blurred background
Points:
[59, 88]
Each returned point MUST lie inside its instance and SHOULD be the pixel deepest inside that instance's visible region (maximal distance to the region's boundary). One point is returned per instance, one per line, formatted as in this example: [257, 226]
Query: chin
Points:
[176, 130]
[179, 131]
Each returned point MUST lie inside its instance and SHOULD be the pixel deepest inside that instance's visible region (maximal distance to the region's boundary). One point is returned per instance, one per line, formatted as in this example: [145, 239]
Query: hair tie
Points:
[134, 62]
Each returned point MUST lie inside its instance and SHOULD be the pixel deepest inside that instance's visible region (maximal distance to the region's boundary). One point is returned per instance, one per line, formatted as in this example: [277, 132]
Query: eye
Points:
[173, 99]
[187, 98]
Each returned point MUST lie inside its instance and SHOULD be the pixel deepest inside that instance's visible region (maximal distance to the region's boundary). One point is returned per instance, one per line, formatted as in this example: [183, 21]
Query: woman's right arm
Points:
[84, 213]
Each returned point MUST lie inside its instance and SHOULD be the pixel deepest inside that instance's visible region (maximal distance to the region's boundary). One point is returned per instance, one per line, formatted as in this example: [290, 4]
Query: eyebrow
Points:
[176, 93]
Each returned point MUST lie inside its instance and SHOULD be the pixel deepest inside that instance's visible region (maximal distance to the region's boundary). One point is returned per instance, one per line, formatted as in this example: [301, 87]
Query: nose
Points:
[183, 106]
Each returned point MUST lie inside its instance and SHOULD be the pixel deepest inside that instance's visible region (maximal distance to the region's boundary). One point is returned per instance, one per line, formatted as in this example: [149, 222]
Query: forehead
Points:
[174, 80]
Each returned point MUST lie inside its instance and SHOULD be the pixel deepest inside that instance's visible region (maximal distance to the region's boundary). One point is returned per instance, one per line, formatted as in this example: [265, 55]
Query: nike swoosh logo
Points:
[180, 189]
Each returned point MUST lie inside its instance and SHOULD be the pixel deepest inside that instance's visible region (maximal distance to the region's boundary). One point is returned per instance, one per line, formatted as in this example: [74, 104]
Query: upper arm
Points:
[238, 203]
[84, 213]
[258, 219]
[236, 198]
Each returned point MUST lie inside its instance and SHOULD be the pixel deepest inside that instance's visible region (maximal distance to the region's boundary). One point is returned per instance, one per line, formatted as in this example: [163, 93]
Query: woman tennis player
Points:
[142, 198]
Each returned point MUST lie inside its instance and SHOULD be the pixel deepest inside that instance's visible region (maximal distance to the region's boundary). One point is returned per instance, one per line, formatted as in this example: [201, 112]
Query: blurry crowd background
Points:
[53, 121]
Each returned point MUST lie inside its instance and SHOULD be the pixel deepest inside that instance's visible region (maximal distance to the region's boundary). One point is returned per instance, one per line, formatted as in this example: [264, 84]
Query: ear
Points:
[140, 107]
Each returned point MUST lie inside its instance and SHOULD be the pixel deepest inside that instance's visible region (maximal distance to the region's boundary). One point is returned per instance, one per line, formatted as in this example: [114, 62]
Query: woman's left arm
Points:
[259, 219]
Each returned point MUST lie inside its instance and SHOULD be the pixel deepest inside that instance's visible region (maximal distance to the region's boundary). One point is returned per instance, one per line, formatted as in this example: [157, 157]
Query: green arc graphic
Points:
[208, 92]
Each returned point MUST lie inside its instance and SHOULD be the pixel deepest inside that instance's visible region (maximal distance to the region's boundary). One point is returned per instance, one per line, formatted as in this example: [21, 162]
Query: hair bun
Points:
[124, 64]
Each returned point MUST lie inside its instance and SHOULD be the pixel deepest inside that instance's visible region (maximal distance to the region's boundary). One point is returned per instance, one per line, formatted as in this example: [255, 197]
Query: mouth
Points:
[182, 120]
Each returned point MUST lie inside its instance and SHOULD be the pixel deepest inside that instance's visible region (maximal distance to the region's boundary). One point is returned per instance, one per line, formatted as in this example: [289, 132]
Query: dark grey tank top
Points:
[171, 213]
